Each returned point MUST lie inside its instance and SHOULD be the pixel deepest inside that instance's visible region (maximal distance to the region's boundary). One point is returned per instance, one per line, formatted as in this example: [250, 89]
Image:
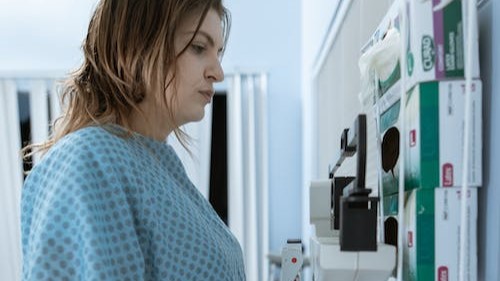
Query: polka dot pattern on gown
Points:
[100, 206]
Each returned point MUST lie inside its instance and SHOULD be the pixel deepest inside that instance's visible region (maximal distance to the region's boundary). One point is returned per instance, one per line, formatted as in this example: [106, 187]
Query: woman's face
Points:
[198, 68]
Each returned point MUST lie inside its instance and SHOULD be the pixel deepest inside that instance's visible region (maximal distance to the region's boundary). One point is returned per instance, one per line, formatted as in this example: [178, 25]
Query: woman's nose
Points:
[215, 72]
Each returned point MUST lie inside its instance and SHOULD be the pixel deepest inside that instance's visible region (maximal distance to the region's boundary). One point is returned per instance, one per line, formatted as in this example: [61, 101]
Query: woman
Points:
[110, 200]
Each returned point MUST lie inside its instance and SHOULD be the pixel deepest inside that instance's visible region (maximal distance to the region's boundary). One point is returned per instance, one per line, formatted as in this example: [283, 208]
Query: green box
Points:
[434, 130]
[431, 241]
[389, 139]
[435, 42]
[418, 240]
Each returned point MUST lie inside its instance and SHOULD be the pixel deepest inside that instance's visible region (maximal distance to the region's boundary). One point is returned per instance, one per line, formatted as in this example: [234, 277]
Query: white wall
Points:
[42, 35]
[265, 36]
[489, 209]
[315, 22]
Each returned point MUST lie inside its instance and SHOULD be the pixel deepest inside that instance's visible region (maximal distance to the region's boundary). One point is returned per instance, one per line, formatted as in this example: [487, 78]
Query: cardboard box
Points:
[434, 128]
[390, 215]
[432, 233]
[435, 41]
[432, 240]
[390, 140]
[390, 208]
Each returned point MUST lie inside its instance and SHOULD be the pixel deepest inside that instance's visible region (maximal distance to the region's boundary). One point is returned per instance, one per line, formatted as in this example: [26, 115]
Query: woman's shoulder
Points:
[86, 145]
[83, 157]
[98, 139]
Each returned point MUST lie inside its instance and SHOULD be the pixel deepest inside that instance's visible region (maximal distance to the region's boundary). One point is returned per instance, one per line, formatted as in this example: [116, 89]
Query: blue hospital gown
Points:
[102, 207]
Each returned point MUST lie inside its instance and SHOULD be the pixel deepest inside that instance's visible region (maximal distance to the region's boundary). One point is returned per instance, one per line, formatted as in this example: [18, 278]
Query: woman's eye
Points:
[198, 48]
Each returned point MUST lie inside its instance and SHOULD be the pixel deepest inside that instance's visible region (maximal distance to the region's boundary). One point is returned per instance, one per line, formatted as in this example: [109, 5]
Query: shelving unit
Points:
[336, 84]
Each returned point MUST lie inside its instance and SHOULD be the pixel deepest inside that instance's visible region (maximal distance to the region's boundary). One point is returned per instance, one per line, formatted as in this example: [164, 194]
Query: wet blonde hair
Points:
[128, 51]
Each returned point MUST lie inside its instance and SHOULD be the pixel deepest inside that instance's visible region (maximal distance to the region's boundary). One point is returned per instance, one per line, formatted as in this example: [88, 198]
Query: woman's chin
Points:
[198, 116]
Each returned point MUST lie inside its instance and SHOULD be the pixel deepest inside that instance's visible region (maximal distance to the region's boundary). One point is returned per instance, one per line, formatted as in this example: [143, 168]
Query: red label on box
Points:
[413, 138]
[410, 239]
[442, 273]
[447, 174]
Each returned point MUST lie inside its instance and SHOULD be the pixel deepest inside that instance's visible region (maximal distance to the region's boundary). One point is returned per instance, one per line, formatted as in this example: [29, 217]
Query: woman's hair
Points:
[128, 51]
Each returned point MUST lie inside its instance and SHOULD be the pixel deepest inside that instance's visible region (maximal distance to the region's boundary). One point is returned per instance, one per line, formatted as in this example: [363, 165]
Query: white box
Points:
[434, 129]
[435, 41]
[447, 221]
[389, 109]
[432, 241]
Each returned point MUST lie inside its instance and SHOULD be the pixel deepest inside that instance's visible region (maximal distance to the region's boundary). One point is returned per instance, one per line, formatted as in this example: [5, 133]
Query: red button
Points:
[294, 260]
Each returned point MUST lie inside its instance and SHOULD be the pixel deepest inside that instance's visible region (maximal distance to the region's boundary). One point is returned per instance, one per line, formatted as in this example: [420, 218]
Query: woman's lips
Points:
[208, 94]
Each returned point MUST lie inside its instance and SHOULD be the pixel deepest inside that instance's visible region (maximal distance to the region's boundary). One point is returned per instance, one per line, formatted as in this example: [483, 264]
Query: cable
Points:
[470, 12]
[402, 61]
